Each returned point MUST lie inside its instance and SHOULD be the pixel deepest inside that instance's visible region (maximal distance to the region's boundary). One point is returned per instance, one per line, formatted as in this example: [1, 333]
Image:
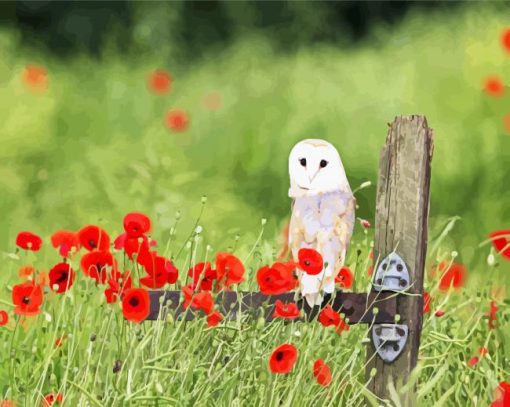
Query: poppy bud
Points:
[117, 366]
[490, 259]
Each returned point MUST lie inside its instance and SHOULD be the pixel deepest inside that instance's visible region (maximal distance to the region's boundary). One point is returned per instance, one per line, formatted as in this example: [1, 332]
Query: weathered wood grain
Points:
[401, 225]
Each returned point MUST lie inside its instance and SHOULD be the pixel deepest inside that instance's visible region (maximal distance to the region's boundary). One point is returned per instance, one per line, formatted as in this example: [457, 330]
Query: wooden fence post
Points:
[401, 227]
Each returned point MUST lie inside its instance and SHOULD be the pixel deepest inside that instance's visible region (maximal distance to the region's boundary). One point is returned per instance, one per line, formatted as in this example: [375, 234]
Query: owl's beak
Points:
[314, 175]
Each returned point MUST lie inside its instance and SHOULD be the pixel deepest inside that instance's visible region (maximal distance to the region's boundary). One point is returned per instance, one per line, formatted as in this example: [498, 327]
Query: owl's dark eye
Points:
[323, 163]
[302, 161]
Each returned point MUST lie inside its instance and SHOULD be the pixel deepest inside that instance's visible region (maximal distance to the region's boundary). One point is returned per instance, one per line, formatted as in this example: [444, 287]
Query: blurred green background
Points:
[94, 145]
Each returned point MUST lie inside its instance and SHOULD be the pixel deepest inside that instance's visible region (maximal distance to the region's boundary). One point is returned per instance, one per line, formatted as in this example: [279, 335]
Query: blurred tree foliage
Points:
[197, 26]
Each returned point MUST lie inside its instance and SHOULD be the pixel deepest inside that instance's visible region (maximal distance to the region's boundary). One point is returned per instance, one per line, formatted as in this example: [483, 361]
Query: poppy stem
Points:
[192, 230]
[11, 375]
[255, 245]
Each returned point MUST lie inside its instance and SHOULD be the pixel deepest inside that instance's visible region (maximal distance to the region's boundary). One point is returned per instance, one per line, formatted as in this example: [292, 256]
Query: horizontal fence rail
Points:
[357, 307]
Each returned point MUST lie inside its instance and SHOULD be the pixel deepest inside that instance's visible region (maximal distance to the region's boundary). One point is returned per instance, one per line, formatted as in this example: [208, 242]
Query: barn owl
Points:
[322, 213]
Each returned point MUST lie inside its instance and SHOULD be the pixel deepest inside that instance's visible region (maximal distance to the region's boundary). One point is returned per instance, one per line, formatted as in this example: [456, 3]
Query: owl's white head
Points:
[315, 167]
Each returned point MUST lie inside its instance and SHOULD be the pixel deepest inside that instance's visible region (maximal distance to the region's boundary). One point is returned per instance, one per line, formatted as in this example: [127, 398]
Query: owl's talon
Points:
[326, 300]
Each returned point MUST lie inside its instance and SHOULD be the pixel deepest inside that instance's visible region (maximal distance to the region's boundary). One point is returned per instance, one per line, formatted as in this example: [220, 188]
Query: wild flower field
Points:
[75, 335]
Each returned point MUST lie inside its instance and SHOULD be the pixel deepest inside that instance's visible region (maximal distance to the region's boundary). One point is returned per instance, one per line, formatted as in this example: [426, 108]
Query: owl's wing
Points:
[304, 230]
[296, 230]
[304, 225]
[337, 216]
[343, 228]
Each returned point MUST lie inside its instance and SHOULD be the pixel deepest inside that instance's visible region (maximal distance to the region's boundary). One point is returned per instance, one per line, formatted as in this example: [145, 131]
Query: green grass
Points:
[94, 147]
[170, 362]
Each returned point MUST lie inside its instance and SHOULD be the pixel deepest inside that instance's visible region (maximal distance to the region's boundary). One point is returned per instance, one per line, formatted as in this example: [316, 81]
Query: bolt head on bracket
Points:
[392, 274]
[389, 340]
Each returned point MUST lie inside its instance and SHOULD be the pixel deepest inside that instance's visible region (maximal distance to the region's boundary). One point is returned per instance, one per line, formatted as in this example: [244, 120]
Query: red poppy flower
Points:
[35, 77]
[322, 373]
[25, 271]
[283, 358]
[277, 279]
[204, 301]
[58, 341]
[483, 351]
[501, 242]
[135, 247]
[159, 272]
[212, 101]
[365, 224]
[342, 326]
[329, 317]
[202, 273]
[159, 82]
[120, 240]
[92, 237]
[503, 395]
[493, 86]
[62, 276]
[345, 278]
[177, 120]
[426, 302]
[439, 313]
[505, 39]
[310, 261]
[65, 241]
[118, 283]
[473, 361]
[187, 291]
[229, 269]
[136, 224]
[214, 318]
[7, 403]
[28, 241]
[43, 279]
[492, 315]
[136, 304]
[4, 318]
[52, 398]
[453, 275]
[27, 297]
[506, 123]
[288, 311]
[140, 249]
[96, 264]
